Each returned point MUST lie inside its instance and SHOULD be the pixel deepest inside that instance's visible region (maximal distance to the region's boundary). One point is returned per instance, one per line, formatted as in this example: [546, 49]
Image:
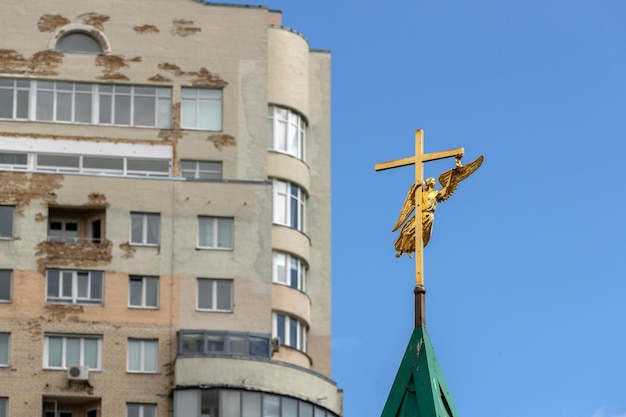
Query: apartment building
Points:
[164, 212]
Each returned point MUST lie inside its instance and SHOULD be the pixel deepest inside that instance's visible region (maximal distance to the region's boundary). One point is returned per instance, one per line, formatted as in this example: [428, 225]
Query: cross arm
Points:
[433, 156]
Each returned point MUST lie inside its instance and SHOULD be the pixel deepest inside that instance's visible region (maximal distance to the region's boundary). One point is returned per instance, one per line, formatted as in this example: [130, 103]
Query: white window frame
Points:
[283, 266]
[74, 276]
[213, 242]
[8, 211]
[214, 294]
[142, 409]
[297, 341]
[144, 291]
[289, 198]
[6, 278]
[144, 228]
[81, 359]
[5, 336]
[98, 97]
[143, 365]
[198, 172]
[192, 101]
[287, 131]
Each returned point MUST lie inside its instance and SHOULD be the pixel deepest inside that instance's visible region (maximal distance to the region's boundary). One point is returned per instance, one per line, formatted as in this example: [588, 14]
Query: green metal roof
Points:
[419, 389]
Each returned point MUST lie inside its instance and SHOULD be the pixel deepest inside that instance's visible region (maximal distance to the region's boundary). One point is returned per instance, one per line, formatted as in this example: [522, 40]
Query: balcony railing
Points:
[215, 342]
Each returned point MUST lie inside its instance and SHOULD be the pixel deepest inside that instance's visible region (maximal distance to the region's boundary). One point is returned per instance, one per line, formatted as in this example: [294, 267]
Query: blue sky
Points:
[525, 271]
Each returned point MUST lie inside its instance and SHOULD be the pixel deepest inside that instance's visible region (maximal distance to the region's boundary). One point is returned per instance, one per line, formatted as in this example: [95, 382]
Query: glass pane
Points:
[72, 351]
[271, 405]
[209, 403]
[153, 229]
[5, 285]
[280, 328]
[105, 108]
[205, 232]
[152, 292]
[205, 294]
[280, 260]
[6, 221]
[82, 281]
[210, 115]
[11, 158]
[132, 410]
[319, 412]
[78, 42]
[280, 136]
[144, 111]
[224, 296]
[237, 345]
[293, 333]
[150, 356]
[136, 233]
[6, 82]
[215, 343]
[96, 286]
[55, 351]
[250, 404]
[22, 105]
[4, 348]
[189, 92]
[164, 110]
[53, 283]
[134, 355]
[290, 407]
[188, 113]
[306, 410]
[6, 103]
[64, 86]
[294, 273]
[103, 163]
[45, 105]
[82, 109]
[259, 346]
[225, 233]
[230, 401]
[59, 161]
[149, 411]
[122, 110]
[64, 107]
[66, 284]
[91, 353]
[135, 291]
[148, 165]
[192, 343]
[146, 91]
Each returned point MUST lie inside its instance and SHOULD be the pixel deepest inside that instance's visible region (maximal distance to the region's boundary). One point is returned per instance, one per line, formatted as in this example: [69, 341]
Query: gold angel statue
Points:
[448, 180]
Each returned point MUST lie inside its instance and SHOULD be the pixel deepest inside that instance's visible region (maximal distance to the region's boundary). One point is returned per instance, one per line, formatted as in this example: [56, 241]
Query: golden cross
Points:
[418, 160]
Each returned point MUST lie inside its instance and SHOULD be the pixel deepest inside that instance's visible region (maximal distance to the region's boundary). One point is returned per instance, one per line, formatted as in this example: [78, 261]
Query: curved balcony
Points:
[258, 375]
[290, 240]
[291, 301]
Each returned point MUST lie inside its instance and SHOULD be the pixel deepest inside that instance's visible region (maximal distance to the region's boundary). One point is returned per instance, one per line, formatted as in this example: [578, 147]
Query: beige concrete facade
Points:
[99, 211]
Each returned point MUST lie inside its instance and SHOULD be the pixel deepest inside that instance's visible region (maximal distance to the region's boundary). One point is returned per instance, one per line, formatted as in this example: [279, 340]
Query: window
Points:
[71, 102]
[199, 342]
[144, 228]
[215, 294]
[4, 348]
[201, 170]
[289, 270]
[289, 205]
[236, 403]
[17, 161]
[6, 222]
[5, 285]
[290, 331]
[215, 232]
[141, 410]
[287, 131]
[78, 42]
[143, 292]
[142, 355]
[74, 287]
[63, 231]
[4, 407]
[201, 109]
[61, 352]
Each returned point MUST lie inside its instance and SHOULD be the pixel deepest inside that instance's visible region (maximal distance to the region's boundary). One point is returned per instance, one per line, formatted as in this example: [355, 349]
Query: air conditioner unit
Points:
[275, 344]
[78, 373]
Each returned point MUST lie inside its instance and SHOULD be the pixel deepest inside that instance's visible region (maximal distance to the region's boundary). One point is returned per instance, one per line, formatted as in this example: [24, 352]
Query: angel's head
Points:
[430, 183]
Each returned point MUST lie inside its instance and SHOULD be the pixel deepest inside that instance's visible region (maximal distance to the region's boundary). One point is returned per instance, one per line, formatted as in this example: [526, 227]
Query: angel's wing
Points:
[451, 178]
[407, 208]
